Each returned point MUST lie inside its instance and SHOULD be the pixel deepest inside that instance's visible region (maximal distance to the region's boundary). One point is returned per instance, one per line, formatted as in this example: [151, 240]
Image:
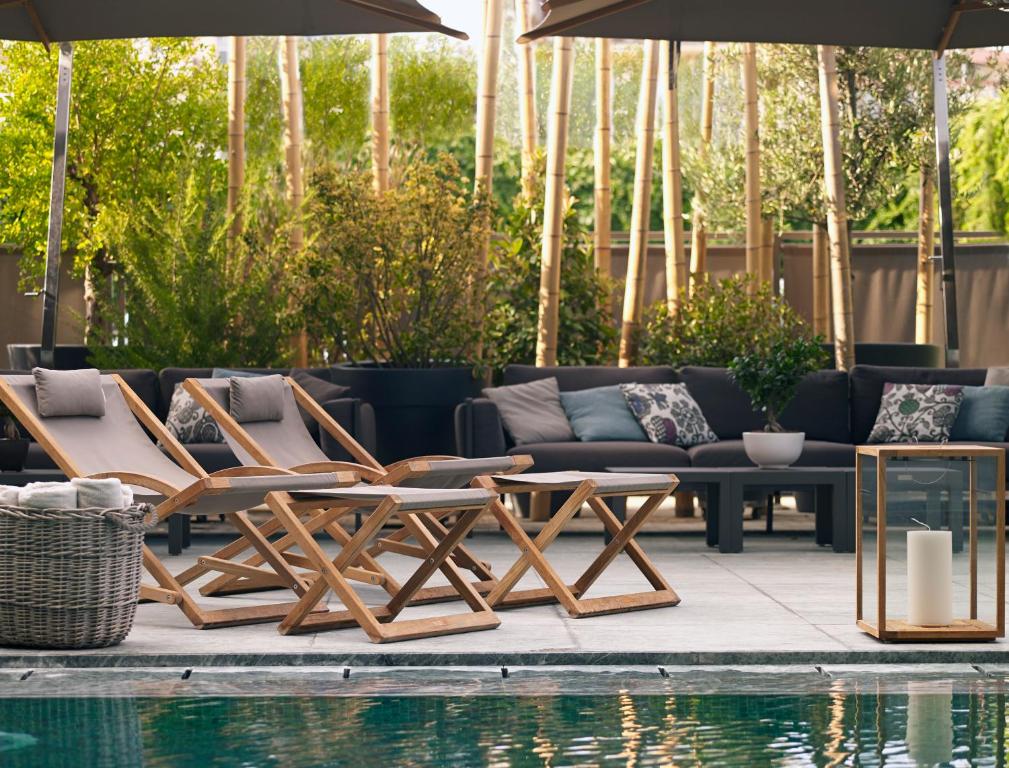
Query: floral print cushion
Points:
[916, 413]
[189, 422]
[668, 414]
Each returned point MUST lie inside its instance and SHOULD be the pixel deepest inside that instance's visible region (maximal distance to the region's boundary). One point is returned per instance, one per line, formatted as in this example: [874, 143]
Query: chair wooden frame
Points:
[171, 589]
[371, 470]
[379, 622]
[533, 552]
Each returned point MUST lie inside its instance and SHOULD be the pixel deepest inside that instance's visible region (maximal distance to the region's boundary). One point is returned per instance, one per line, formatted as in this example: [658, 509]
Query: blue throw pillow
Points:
[601, 413]
[983, 416]
[228, 373]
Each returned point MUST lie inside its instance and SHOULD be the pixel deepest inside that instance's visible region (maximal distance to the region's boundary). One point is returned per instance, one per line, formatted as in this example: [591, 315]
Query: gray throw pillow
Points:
[532, 412]
[188, 422]
[257, 399]
[69, 393]
[997, 377]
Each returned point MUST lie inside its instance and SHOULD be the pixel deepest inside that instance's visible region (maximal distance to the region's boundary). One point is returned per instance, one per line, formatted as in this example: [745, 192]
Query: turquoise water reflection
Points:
[932, 726]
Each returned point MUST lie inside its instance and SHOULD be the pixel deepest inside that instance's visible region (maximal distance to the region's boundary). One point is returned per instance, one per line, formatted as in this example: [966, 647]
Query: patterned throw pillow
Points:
[668, 414]
[916, 413]
[189, 422]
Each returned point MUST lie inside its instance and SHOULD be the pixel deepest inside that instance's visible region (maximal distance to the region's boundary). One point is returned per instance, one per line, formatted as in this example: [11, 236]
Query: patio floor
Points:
[782, 601]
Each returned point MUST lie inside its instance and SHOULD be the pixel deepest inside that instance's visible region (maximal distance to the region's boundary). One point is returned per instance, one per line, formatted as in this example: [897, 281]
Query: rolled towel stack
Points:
[48, 496]
[107, 493]
[79, 493]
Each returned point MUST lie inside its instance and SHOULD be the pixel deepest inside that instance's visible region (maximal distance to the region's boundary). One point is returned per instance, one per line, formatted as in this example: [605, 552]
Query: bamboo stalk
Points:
[236, 138]
[486, 105]
[380, 111]
[526, 54]
[752, 140]
[601, 149]
[837, 218]
[641, 207]
[926, 249]
[821, 282]
[672, 180]
[290, 98]
[553, 208]
[698, 231]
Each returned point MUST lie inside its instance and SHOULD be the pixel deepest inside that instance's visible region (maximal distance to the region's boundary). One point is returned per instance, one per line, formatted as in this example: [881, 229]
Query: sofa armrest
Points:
[355, 416]
[478, 429]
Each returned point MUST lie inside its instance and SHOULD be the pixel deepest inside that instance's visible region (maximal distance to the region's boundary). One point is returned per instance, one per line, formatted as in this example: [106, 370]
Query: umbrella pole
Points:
[944, 187]
[51, 286]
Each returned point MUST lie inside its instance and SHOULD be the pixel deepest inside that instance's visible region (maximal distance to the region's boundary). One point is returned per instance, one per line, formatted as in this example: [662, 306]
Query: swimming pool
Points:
[880, 719]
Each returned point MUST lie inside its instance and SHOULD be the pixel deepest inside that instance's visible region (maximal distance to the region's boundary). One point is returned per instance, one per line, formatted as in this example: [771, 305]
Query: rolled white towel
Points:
[48, 496]
[107, 493]
[127, 496]
[9, 495]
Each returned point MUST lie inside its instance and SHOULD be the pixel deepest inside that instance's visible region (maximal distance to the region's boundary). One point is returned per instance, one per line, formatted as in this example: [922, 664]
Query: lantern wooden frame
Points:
[962, 629]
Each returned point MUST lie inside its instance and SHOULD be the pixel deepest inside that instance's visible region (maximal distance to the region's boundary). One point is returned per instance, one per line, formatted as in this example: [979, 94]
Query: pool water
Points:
[935, 726]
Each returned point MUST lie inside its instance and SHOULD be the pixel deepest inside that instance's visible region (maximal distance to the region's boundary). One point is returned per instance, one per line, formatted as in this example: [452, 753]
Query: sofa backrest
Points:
[572, 377]
[820, 406]
[867, 389]
[144, 382]
[170, 377]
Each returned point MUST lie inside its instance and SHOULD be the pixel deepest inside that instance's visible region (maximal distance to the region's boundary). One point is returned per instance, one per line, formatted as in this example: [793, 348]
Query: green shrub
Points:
[392, 278]
[586, 330]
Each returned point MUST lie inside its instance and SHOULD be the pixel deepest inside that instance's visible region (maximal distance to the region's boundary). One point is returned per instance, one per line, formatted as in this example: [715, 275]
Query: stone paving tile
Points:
[783, 598]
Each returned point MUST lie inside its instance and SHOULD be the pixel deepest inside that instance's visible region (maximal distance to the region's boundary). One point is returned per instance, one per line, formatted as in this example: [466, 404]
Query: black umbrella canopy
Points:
[927, 24]
[70, 20]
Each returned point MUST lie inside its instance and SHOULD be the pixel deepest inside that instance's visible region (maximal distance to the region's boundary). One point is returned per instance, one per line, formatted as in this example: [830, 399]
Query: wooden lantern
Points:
[938, 531]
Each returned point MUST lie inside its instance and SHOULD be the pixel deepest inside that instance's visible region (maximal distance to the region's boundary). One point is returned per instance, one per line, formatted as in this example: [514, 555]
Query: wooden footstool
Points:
[585, 487]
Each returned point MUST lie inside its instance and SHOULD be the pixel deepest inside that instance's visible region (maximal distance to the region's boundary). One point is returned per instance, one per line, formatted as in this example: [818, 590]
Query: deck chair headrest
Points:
[259, 398]
[69, 393]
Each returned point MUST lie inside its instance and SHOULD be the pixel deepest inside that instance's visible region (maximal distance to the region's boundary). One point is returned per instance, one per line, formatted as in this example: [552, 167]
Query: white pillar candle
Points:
[930, 578]
[929, 722]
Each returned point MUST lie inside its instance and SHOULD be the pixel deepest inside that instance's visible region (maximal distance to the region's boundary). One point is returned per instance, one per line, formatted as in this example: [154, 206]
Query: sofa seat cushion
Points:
[730, 453]
[597, 456]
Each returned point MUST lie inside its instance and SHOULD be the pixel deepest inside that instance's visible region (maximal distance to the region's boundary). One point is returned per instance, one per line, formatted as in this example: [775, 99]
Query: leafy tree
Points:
[586, 330]
[982, 166]
[137, 108]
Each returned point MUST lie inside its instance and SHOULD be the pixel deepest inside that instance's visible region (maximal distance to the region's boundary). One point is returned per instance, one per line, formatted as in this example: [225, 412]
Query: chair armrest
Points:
[478, 429]
[355, 416]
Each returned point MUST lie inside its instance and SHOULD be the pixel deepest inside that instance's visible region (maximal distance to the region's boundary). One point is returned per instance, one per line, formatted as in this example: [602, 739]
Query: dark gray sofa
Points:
[835, 409]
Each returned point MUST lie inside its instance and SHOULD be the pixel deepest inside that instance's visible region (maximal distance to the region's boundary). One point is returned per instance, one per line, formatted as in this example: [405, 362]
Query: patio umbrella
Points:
[923, 24]
[64, 21]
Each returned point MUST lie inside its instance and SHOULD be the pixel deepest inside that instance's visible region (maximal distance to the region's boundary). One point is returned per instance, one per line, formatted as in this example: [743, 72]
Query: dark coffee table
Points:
[725, 487]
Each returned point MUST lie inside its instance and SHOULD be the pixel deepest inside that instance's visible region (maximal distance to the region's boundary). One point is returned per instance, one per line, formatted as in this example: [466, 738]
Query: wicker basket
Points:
[70, 578]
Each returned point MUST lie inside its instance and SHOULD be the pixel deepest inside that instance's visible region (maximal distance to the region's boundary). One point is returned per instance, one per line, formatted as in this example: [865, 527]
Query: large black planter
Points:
[414, 407]
[13, 454]
[24, 357]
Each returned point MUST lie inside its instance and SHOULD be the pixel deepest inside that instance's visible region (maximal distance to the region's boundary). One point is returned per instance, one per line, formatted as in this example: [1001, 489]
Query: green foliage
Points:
[137, 108]
[432, 91]
[717, 322]
[586, 331]
[771, 374]
[390, 278]
[982, 166]
[186, 302]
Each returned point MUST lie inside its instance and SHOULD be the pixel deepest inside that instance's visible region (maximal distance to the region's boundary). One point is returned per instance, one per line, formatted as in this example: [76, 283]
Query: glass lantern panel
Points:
[867, 480]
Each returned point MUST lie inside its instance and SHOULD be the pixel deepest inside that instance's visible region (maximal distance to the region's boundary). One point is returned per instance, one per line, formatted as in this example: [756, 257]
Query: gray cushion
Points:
[259, 398]
[730, 453]
[596, 457]
[69, 393]
[532, 412]
[997, 377]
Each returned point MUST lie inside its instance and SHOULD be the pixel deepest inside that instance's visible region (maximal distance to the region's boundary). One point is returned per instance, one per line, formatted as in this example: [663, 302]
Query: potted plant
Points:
[391, 288]
[770, 375]
[13, 447]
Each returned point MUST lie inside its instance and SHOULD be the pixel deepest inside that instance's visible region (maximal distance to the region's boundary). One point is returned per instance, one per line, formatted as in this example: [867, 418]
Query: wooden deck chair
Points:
[287, 443]
[383, 503]
[115, 445]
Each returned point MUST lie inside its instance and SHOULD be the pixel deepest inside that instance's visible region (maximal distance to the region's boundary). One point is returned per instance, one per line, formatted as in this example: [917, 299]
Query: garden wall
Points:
[883, 291]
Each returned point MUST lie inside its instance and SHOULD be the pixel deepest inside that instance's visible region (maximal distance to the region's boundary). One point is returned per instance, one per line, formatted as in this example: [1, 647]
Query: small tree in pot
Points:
[770, 374]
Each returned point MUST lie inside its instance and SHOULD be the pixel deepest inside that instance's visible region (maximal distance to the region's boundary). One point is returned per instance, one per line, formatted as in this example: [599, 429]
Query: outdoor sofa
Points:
[835, 409]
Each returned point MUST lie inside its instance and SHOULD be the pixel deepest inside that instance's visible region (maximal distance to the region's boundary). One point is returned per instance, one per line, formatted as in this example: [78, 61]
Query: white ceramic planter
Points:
[773, 450]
